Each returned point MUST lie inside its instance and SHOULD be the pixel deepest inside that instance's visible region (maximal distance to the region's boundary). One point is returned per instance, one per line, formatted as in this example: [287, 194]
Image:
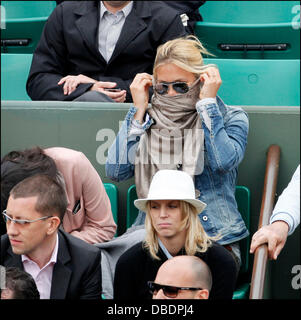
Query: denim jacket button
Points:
[205, 218]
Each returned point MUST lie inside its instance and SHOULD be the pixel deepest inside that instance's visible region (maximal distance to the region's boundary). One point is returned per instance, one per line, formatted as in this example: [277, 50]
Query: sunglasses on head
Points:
[169, 291]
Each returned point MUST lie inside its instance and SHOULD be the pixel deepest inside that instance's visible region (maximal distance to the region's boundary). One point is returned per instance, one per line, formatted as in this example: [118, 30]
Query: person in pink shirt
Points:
[63, 266]
[88, 215]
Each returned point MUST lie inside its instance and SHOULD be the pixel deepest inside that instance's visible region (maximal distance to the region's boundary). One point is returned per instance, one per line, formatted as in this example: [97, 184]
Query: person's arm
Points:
[287, 207]
[99, 225]
[225, 137]
[120, 163]
[49, 63]
[71, 82]
[91, 278]
[285, 218]
[125, 278]
[190, 11]
[274, 235]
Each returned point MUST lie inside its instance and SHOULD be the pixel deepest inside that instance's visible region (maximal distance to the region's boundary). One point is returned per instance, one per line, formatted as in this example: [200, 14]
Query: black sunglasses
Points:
[169, 291]
[179, 87]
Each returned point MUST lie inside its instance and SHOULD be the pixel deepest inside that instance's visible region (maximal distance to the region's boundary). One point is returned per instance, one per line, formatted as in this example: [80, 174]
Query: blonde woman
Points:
[188, 128]
[172, 228]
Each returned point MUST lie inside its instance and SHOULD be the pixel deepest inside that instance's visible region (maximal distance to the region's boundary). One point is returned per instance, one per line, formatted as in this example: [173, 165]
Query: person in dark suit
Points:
[62, 266]
[189, 12]
[88, 48]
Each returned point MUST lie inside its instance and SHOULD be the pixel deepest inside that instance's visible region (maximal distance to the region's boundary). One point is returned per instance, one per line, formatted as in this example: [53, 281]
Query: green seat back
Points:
[250, 22]
[243, 199]
[112, 193]
[24, 20]
[248, 77]
[14, 73]
[248, 12]
[259, 82]
[131, 210]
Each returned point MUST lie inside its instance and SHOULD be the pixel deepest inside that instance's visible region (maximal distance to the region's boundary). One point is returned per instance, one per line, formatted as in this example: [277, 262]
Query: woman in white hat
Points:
[172, 228]
[187, 127]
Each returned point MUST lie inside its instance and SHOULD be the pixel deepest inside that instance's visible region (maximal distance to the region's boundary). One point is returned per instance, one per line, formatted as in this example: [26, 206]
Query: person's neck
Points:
[173, 245]
[114, 9]
[43, 253]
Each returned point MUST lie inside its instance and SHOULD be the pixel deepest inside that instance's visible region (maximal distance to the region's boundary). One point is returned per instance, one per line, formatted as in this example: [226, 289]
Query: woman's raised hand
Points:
[140, 94]
[211, 82]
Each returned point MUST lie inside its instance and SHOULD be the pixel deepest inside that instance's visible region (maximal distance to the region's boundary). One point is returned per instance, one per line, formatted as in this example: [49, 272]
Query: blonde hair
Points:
[196, 240]
[186, 53]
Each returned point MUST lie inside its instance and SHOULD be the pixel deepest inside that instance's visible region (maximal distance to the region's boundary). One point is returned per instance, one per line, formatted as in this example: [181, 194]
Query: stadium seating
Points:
[250, 22]
[268, 84]
[244, 81]
[112, 193]
[14, 73]
[22, 23]
[259, 82]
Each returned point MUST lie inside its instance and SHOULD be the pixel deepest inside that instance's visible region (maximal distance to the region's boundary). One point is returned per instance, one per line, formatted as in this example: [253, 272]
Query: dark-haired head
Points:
[51, 196]
[20, 284]
[18, 165]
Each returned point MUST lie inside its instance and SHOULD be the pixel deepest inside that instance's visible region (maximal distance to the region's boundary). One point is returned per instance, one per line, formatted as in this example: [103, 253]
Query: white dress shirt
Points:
[287, 207]
[42, 277]
[110, 26]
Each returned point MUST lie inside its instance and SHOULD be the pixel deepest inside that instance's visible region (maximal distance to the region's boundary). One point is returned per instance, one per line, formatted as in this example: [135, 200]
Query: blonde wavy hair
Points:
[186, 53]
[197, 239]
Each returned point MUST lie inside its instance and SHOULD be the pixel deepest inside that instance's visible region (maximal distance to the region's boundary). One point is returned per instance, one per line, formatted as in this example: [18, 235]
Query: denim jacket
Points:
[225, 130]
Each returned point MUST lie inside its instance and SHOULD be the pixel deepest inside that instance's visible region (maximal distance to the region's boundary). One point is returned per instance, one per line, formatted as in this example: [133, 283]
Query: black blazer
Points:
[69, 46]
[77, 272]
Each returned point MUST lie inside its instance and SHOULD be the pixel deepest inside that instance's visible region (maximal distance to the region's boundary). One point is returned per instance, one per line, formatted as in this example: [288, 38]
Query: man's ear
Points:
[202, 294]
[54, 223]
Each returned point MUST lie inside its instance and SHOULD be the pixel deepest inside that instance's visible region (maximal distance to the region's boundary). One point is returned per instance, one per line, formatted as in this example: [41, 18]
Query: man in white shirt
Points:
[92, 50]
[284, 220]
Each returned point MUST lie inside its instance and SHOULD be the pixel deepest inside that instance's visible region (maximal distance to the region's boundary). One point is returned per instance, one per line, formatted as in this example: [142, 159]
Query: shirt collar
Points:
[126, 10]
[166, 252]
[53, 257]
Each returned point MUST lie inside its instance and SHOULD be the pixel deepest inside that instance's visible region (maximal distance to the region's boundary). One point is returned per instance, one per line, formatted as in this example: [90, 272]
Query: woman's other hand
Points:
[211, 80]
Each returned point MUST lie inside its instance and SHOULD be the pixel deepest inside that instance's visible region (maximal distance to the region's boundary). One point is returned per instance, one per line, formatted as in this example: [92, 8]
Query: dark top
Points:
[135, 267]
[77, 272]
[191, 8]
[69, 46]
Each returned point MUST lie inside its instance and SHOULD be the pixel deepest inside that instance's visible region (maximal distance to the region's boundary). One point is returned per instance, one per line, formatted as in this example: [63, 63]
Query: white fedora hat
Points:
[171, 185]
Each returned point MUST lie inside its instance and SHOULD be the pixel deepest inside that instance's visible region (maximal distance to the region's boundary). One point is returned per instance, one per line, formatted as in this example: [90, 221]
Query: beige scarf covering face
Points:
[175, 141]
